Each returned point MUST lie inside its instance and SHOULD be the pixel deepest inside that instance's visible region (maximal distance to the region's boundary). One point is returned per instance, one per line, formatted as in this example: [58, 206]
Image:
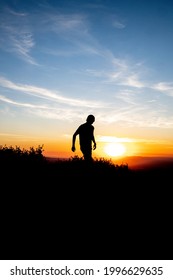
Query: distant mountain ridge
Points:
[136, 162]
[140, 162]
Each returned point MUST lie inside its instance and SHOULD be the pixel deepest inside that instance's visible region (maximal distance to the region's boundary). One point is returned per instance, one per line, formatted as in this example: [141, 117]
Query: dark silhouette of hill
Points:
[141, 162]
[38, 169]
[33, 165]
[75, 207]
[131, 168]
[134, 162]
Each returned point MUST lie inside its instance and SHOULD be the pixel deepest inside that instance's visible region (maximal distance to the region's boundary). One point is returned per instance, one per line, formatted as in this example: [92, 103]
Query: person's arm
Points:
[73, 141]
[94, 146]
[93, 139]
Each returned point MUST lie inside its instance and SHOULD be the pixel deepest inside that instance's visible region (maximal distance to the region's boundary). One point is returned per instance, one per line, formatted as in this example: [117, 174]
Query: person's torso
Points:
[86, 134]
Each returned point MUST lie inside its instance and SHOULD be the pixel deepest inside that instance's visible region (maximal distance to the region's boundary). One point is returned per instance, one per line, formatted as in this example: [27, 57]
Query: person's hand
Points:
[94, 146]
[73, 149]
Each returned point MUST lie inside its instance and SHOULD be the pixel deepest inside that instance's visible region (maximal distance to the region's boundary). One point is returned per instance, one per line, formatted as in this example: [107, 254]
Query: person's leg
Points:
[87, 154]
[87, 157]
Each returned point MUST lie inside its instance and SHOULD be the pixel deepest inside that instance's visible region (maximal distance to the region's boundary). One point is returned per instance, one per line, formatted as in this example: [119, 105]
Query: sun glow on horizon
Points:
[115, 149]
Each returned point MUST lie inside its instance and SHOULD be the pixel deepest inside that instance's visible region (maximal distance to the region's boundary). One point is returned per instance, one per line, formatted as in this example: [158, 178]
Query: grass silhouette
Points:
[32, 163]
[70, 199]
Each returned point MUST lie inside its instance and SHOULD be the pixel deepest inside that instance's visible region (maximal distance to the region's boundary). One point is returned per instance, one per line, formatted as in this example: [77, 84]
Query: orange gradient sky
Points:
[110, 147]
[64, 60]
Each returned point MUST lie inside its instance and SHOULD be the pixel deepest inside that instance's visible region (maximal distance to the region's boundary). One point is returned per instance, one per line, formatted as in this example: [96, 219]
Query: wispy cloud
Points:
[121, 73]
[73, 25]
[113, 139]
[22, 43]
[135, 118]
[131, 115]
[44, 111]
[74, 29]
[133, 81]
[16, 35]
[7, 100]
[118, 78]
[50, 95]
[164, 87]
[117, 24]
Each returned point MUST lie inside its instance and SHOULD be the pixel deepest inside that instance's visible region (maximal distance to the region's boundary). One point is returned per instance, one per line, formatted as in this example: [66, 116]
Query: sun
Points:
[114, 149]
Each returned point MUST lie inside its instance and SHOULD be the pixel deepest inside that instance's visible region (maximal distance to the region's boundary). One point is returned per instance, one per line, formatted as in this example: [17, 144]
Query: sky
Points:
[63, 60]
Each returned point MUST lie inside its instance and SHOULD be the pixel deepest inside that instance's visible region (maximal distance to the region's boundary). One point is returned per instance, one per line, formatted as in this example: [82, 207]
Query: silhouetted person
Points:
[86, 138]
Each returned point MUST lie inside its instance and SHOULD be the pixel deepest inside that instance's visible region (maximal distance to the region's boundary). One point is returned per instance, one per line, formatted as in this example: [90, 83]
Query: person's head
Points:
[90, 119]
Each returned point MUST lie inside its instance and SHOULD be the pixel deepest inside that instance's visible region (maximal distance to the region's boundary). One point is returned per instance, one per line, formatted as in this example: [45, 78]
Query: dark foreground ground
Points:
[72, 210]
[76, 172]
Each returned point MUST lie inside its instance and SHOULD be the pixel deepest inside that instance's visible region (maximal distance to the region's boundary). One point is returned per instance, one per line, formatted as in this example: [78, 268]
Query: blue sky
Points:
[63, 60]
